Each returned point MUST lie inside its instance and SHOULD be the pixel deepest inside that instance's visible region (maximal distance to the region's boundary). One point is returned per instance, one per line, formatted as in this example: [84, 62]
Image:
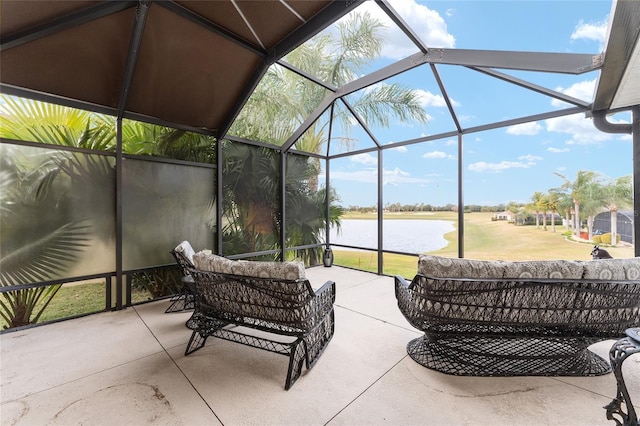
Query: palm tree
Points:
[553, 204]
[279, 105]
[252, 219]
[35, 246]
[72, 187]
[593, 204]
[543, 204]
[617, 194]
[578, 191]
[537, 203]
[283, 100]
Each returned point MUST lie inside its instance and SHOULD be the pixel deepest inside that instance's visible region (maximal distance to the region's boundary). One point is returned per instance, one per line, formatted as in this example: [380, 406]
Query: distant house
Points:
[505, 215]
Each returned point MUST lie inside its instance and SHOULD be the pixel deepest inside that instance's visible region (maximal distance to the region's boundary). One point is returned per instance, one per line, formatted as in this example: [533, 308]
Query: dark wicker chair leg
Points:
[318, 339]
[296, 361]
[181, 302]
[196, 342]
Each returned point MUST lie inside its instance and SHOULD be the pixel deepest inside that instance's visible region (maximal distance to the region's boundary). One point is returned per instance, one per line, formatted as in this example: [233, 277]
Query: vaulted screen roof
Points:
[191, 63]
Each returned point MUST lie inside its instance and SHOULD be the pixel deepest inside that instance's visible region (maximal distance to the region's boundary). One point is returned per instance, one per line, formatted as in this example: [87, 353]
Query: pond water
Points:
[406, 235]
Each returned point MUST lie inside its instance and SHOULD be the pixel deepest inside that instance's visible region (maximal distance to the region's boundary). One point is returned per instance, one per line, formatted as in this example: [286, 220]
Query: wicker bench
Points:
[484, 318]
[272, 297]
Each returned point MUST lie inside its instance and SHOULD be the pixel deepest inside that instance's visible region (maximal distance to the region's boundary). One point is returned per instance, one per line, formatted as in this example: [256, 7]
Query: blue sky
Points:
[502, 165]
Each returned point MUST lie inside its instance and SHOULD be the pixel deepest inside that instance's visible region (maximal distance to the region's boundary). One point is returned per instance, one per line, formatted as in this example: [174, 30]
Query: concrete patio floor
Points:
[128, 368]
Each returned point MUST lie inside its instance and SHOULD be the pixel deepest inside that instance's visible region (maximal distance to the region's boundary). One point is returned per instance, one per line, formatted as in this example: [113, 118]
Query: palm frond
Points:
[41, 259]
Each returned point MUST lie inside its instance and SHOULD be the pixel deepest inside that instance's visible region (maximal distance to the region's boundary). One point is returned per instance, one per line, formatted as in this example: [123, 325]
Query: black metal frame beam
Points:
[534, 87]
[65, 22]
[132, 55]
[406, 29]
[211, 26]
[334, 11]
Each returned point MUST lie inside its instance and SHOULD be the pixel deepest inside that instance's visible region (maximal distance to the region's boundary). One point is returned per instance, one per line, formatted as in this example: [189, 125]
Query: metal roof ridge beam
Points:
[567, 63]
[396, 68]
[132, 57]
[563, 63]
[531, 86]
[527, 119]
[65, 22]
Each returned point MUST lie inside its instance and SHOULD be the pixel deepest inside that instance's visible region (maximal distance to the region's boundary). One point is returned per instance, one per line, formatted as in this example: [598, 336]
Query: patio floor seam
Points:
[177, 366]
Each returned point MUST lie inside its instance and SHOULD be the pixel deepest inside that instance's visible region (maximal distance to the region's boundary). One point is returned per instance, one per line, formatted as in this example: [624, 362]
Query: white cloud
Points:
[557, 150]
[530, 159]
[366, 159]
[364, 176]
[428, 99]
[390, 177]
[581, 129]
[426, 23]
[483, 166]
[596, 31]
[437, 154]
[583, 90]
[398, 176]
[528, 129]
[399, 149]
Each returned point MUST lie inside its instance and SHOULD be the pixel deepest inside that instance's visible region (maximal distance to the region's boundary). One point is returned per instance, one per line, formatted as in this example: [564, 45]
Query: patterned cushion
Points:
[447, 267]
[276, 270]
[210, 262]
[185, 249]
[568, 269]
[612, 269]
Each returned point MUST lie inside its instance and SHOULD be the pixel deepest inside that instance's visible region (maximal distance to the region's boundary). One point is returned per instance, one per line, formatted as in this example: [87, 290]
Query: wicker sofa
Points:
[497, 318]
[272, 297]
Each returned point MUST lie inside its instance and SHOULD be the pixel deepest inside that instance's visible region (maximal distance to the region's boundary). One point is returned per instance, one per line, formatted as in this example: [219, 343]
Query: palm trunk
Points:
[614, 227]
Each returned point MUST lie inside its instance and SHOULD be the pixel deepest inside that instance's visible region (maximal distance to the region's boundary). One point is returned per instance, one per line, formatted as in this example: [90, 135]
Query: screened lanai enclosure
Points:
[277, 129]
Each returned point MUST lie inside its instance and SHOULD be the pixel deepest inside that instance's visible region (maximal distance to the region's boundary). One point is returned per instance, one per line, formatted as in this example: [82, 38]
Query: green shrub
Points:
[597, 239]
[606, 238]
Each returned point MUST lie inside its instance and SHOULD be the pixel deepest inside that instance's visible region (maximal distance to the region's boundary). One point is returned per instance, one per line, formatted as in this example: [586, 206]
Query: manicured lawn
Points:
[79, 299]
[483, 239]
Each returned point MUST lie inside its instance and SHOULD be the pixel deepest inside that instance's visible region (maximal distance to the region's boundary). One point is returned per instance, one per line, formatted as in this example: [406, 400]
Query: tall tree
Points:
[71, 187]
[617, 194]
[578, 190]
[537, 203]
[592, 205]
[283, 100]
[553, 204]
